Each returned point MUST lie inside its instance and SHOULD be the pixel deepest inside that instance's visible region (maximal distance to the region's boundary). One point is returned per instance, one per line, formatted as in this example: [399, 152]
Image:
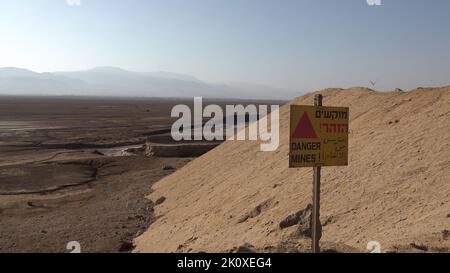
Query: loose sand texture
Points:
[396, 189]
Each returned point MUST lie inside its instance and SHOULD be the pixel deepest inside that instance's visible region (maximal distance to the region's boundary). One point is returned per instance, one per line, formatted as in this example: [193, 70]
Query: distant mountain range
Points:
[112, 81]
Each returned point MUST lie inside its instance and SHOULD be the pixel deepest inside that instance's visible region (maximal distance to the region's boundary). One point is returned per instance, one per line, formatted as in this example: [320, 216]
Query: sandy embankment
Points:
[395, 190]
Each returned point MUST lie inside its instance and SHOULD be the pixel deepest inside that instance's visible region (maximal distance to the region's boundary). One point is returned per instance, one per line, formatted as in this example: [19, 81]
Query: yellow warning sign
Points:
[318, 136]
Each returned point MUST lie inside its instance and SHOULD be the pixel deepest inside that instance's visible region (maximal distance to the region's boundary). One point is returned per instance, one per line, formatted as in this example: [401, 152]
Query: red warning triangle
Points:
[304, 128]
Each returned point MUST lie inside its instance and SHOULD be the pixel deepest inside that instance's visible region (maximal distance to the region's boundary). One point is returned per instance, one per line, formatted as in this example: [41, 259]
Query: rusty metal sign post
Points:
[318, 138]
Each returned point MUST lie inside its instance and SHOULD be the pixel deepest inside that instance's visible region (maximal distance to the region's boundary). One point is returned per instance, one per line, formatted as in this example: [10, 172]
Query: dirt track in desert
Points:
[395, 190]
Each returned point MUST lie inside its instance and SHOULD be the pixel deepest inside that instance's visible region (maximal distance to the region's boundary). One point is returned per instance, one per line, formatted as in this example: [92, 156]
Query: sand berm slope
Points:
[396, 189]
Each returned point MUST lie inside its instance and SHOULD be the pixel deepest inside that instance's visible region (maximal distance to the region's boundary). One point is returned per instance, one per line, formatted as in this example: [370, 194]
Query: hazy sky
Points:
[302, 45]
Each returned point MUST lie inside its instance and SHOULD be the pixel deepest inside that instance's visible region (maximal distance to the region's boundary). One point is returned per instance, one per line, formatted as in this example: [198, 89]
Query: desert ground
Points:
[76, 169]
[395, 193]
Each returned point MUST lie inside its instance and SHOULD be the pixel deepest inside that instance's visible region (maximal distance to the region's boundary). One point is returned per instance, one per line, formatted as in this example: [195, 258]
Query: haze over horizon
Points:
[291, 45]
[117, 82]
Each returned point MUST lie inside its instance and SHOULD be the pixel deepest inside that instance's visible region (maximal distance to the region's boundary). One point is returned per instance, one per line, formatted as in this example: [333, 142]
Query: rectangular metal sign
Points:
[318, 136]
